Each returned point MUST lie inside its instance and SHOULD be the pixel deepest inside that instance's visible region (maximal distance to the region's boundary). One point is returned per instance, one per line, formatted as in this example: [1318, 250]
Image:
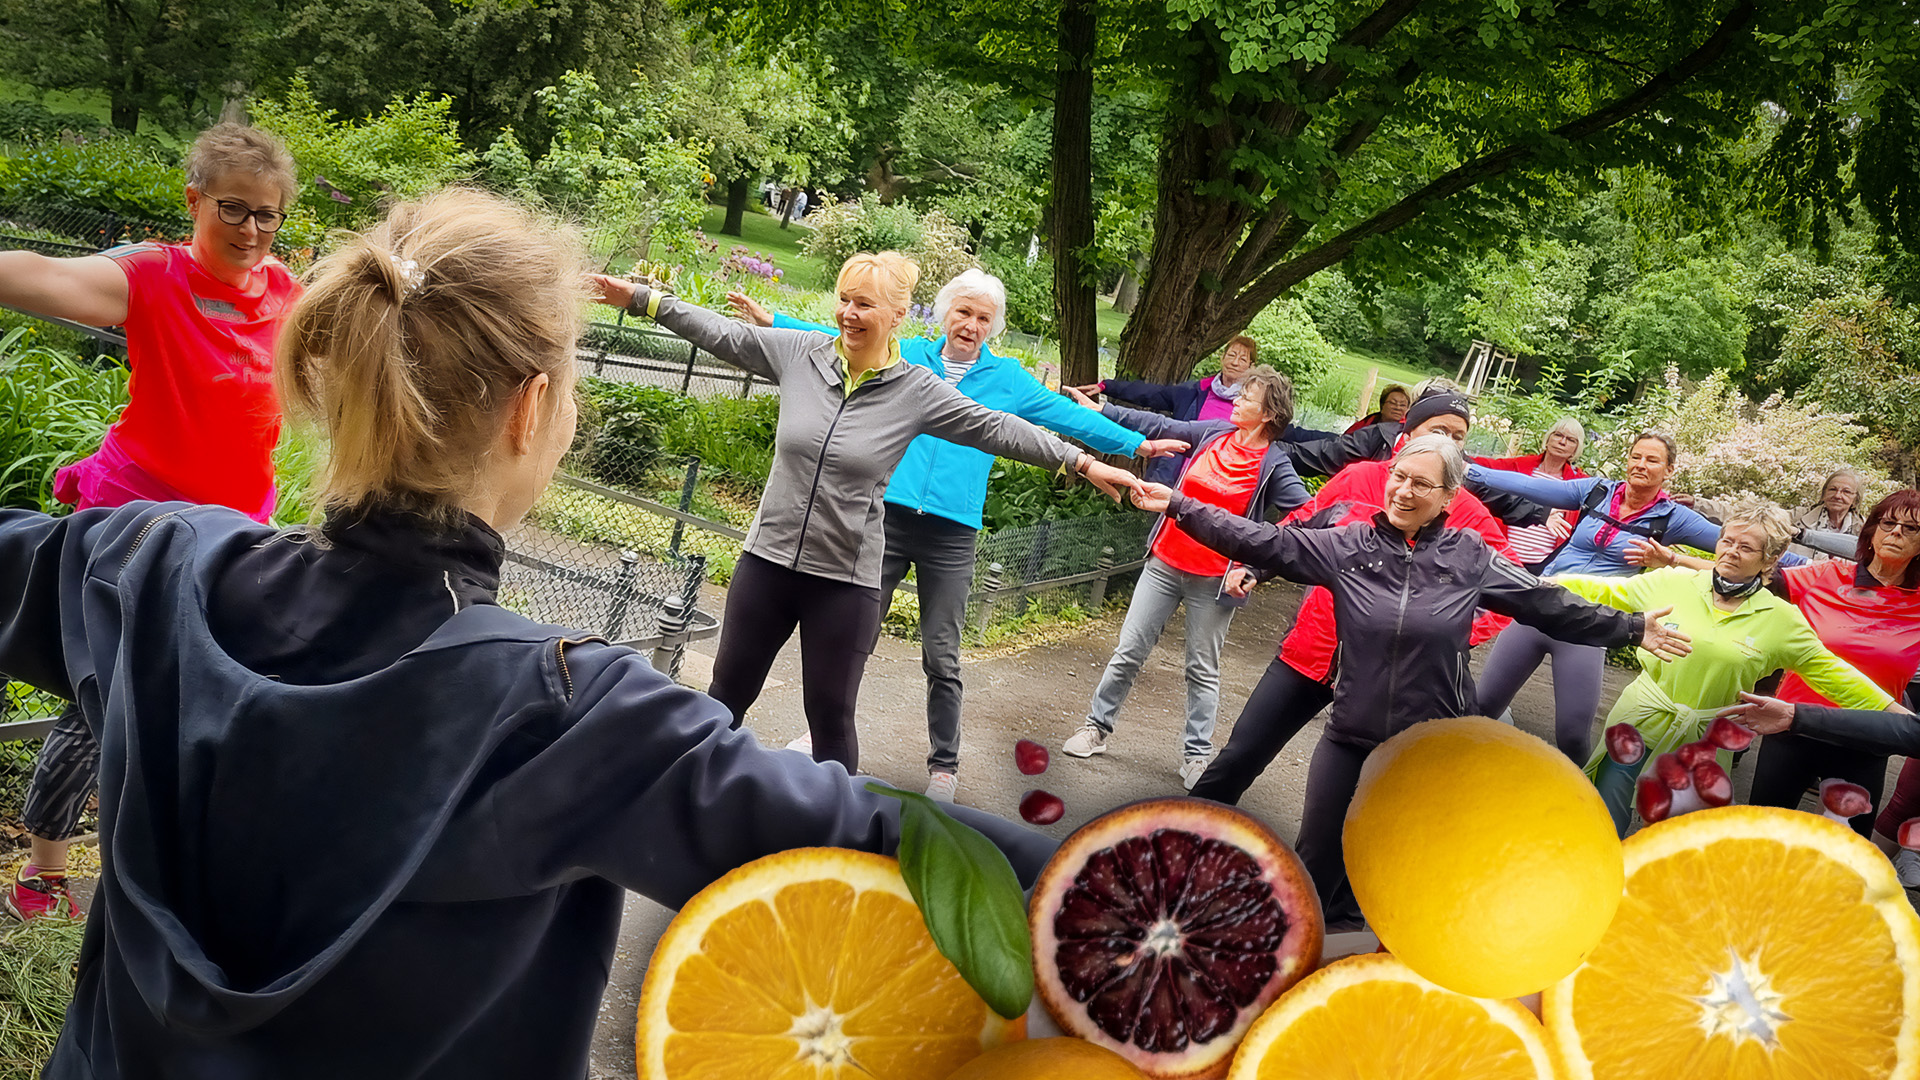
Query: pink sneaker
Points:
[39, 892]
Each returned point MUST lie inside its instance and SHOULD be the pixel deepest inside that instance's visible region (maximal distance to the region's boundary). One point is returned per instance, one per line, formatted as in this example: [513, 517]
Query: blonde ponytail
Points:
[413, 338]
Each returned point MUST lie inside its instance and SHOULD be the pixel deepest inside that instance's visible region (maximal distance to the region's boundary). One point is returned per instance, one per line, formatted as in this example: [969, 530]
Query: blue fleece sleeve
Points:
[788, 322]
[647, 786]
[1042, 406]
[1686, 526]
[1558, 494]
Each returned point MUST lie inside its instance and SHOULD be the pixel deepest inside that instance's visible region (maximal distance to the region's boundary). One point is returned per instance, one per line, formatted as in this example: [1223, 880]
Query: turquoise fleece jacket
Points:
[943, 478]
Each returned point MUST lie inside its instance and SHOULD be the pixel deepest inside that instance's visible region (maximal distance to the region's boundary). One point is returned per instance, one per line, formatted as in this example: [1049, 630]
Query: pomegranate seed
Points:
[1031, 757]
[1844, 800]
[1041, 807]
[1908, 834]
[1624, 744]
[1695, 754]
[1652, 798]
[1727, 735]
[1713, 784]
[1671, 772]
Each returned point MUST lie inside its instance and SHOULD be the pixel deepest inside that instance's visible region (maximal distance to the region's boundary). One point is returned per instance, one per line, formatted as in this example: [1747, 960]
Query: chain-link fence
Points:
[629, 352]
[76, 230]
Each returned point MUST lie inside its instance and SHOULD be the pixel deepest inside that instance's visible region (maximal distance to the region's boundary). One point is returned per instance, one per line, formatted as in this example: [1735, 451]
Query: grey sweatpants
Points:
[1578, 674]
[65, 773]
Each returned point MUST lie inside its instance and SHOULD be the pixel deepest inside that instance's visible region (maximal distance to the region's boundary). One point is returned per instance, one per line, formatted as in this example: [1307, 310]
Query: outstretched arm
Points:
[1565, 615]
[1042, 406]
[43, 564]
[91, 289]
[645, 785]
[1558, 494]
[1892, 730]
[1326, 457]
[760, 350]
[1303, 555]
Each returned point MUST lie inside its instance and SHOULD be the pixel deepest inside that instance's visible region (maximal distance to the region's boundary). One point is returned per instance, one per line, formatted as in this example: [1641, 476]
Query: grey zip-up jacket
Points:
[823, 510]
[1404, 611]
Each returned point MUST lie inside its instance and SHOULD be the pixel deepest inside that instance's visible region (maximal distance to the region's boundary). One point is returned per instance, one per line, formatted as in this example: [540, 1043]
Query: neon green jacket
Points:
[1731, 650]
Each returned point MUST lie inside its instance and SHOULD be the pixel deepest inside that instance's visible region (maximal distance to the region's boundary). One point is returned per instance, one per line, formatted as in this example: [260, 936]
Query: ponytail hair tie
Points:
[411, 276]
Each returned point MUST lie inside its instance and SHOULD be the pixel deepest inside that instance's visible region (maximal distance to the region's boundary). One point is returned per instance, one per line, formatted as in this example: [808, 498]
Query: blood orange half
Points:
[1163, 929]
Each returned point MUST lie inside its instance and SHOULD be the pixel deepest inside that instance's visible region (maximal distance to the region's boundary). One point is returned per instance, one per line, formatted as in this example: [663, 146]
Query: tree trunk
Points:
[1127, 295]
[738, 189]
[1071, 232]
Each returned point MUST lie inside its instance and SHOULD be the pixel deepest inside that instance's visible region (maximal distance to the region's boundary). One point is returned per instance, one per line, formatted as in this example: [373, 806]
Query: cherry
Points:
[1844, 800]
[1624, 744]
[1030, 757]
[1652, 798]
[1695, 754]
[1908, 834]
[1671, 772]
[1712, 783]
[1041, 807]
[1728, 735]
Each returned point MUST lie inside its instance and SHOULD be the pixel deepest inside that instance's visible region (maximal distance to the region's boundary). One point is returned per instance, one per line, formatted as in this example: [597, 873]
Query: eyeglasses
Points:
[1421, 488]
[1901, 528]
[234, 213]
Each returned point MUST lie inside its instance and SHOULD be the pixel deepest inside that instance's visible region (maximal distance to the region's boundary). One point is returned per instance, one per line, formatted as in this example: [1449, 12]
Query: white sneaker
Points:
[941, 786]
[1192, 769]
[1086, 742]
[804, 744]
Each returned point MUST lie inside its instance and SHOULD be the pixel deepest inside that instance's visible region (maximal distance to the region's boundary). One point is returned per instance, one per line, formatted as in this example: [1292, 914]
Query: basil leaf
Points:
[970, 898]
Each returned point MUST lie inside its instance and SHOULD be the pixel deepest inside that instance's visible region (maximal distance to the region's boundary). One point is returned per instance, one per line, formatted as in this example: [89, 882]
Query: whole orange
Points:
[1049, 1059]
[1482, 856]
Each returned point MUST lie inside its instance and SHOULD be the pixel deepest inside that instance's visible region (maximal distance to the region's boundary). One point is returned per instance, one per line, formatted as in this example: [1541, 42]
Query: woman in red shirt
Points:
[1533, 544]
[1238, 466]
[202, 417]
[1868, 613]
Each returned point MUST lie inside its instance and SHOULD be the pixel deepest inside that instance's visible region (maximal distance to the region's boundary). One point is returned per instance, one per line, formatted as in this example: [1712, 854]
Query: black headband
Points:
[1437, 405]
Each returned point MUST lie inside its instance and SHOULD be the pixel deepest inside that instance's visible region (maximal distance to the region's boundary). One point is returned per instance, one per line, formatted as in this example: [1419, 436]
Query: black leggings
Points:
[1787, 765]
[1279, 707]
[839, 623]
[1331, 781]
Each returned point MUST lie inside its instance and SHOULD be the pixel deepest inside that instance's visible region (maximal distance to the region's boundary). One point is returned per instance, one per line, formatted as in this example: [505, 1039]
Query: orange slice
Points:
[811, 964]
[1372, 1016]
[1753, 943]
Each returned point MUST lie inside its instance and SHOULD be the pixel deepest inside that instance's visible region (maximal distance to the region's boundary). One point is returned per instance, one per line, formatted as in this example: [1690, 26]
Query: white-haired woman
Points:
[1837, 510]
[1400, 663]
[849, 410]
[1534, 544]
[1740, 633]
[935, 496]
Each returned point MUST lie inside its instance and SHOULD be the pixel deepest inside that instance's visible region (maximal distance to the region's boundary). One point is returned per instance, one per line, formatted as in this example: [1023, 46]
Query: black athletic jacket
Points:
[360, 821]
[1403, 611]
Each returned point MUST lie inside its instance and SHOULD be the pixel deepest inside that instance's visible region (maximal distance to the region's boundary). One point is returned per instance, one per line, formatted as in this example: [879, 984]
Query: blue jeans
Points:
[1162, 589]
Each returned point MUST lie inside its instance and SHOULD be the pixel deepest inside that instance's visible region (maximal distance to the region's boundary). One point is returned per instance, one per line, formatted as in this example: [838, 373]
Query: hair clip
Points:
[411, 276]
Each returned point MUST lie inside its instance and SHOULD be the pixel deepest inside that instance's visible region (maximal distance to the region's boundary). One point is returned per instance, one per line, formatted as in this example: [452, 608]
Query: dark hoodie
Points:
[359, 821]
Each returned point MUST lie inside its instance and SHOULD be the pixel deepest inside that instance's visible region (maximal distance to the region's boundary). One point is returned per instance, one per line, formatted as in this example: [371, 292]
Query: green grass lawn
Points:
[762, 233]
[90, 102]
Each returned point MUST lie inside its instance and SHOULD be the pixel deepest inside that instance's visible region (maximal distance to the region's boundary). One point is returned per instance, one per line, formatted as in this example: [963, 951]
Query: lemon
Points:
[1482, 857]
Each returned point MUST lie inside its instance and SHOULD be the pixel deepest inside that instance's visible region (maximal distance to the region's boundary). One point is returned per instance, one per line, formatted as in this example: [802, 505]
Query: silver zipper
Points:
[141, 536]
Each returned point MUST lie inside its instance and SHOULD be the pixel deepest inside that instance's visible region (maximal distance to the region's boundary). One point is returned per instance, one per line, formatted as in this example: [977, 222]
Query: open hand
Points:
[1662, 640]
[1153, 448]
[747, 308]
[1079, 394]
[1766, 715]
[1649, 553]
[611, 291]
[1240, 581]
[1110, 479]
[1153, 498]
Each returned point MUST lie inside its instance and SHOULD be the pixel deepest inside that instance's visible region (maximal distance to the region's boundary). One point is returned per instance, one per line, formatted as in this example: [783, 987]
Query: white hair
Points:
[980, 285]
[1453, 463]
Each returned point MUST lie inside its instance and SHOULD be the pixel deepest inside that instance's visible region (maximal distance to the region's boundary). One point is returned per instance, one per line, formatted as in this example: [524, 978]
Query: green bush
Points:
[32, 122]
[113, 175]
[842, 230]
[1029, 290]
[1688, 317]
[1290, 343]
[53, 410]
[1022, 494]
